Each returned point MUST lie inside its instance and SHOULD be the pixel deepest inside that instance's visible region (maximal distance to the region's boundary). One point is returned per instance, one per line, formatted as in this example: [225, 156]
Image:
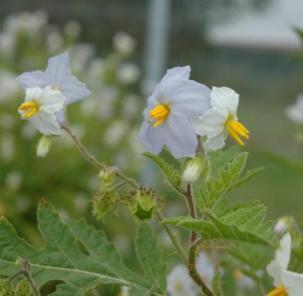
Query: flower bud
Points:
[143, 203]
[104, 203]
[43, 146]
[106, 178]
[193, 170]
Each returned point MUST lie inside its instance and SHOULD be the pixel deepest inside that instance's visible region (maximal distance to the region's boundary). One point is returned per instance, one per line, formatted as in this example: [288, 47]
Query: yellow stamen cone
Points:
[159, 114]
[237, 131]
[279, 291]
[30, 109]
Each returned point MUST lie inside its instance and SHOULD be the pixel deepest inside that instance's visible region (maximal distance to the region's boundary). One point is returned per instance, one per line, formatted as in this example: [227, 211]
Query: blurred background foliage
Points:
[106, 40]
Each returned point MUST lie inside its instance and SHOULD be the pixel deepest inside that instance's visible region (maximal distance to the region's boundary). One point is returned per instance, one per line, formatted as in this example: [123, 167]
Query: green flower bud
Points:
[43, 146]
[23, 288]
[107, 177]
[143, 202]
[193, 169]
[104, 203]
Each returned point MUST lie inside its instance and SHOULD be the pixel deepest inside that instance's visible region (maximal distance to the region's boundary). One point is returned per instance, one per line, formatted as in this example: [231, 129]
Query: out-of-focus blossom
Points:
[286, 282]
[8, 85]
[115, 132]
[28, 131]
[243, 281]
[57, 76]
[170, 110]
[81, 54]
[179, 283]
[124, 43]
[221, 120]
[131, 106]
[124, 291]
[7, 44]
[40, 107]
[205, 268]
[128, 73]
[54, 41]
[107, 98]
[284, 224]
[295, 112]
[72, 29]
[14, 180]
[7, 121]
[7, 147]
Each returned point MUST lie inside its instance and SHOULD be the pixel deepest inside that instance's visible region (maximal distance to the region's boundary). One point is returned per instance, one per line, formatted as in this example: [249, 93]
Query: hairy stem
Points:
[92, 160]
[173, 238]
[193, 245]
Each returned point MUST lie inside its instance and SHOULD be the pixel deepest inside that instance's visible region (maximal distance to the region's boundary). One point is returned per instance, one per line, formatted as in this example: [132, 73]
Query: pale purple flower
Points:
[170, 109]
[58, 76]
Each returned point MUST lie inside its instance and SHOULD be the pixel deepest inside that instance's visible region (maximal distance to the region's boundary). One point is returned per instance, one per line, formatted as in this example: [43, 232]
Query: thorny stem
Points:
[193, 245]
[173, 238]
[92, 160]
[25, 271]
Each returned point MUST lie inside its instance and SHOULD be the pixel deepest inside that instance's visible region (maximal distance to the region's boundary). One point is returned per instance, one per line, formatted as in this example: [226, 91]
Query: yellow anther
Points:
[279, 291]
[30, 109]
[159, 114]
[237, 131]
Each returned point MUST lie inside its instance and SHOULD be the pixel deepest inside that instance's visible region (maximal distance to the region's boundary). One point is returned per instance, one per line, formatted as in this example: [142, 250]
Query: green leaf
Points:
[172, 175]
[242, 222]
[75, 253]
[211, 192]
[150, 256]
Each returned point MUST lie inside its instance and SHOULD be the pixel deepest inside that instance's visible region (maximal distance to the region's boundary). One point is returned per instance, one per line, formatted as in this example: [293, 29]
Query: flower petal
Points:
[225, 99]
[281, 260]
[51, 100]
[293, 282]
[32, 79]
[215, 143]
[210, 124]
[152, 138]
[181, 140]
[46, 123]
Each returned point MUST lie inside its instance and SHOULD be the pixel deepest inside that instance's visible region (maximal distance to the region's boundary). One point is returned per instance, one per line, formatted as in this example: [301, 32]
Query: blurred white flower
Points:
[96, 72]
[107, 99]
[115, 132]
[221, 120]
[131, 106]
[81, 54]
[283, 224]
[295, 112]
[124, 291]
[40, 108]
[14, 180]
[7, 121]
[28, 131]
[128, 73]
[7, 147]
[243, 281]
[134, 143]
[205, 268]
[179, 283]
[286, 282]
[7, 44]
[54, 41]
[124, 43]
[8, 85]
[72, 29]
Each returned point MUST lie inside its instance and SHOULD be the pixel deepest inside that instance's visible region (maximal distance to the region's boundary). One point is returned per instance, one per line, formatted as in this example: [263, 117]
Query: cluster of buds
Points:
[143, 202]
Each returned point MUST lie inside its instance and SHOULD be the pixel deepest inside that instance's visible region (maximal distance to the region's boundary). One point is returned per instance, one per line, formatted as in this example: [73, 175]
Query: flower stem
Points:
[193, 245]
[173, 238]
[92, 160]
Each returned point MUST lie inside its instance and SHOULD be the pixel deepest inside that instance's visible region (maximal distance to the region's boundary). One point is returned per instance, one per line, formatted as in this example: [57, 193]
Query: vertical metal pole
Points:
[157, 31]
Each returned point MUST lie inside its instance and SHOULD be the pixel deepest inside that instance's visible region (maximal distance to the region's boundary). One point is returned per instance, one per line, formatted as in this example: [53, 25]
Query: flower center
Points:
[237, 131]
[29, 109]
[159, 114]
[279, 291]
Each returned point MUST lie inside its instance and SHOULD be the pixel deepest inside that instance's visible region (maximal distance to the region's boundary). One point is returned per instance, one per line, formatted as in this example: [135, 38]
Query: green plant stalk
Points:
[193, 245]
[101, 166]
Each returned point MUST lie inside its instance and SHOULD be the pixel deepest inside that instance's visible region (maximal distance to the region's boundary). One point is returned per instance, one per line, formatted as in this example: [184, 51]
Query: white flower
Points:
[283, 224]
[205, 268]
[124, 43]
[54, 41]
[8, 85]
[179, 283]
[170, 109]
[295, 111]
[128, 73]
[58, 76]
[221, 120]
[193, 170]
[287, 283]
[40, 107]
